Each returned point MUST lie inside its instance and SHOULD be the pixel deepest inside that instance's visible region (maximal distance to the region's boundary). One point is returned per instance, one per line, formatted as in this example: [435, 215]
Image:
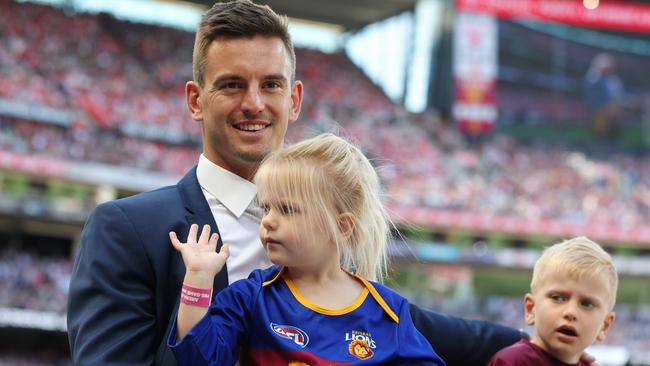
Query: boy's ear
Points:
[529, 309]
[609, 320]
[346, 224]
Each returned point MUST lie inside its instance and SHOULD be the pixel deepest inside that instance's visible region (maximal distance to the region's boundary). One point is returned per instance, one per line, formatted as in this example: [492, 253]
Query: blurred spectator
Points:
[29, 282]
[130, 113]
[602, 92]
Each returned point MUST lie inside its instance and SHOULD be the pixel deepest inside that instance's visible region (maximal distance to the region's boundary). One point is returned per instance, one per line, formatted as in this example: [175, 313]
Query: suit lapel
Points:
[198, 212]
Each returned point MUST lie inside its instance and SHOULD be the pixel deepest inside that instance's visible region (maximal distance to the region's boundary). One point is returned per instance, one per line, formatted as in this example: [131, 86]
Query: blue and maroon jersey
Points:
[266, 321]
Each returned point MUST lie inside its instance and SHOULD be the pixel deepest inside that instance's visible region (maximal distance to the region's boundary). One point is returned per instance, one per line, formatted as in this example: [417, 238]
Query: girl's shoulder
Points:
[260, 277]
[387, 292]
[246, 289]
[391, 301]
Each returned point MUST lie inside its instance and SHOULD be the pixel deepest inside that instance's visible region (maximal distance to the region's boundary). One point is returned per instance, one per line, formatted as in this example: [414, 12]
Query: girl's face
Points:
[291, 239]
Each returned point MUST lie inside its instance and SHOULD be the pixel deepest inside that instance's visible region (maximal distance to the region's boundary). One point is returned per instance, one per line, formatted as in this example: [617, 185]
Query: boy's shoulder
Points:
[524, 353]
[517, 352]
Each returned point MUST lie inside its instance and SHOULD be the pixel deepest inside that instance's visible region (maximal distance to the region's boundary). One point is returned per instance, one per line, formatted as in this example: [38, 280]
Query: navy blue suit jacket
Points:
[127, 276]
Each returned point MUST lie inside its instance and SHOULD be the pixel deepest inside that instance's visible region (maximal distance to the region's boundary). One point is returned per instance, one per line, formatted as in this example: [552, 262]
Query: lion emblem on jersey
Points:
[297, 363]
[360, 349]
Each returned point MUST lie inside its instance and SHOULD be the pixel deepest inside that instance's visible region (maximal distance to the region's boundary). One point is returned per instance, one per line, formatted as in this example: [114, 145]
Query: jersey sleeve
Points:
[413, 348]
[216, 338]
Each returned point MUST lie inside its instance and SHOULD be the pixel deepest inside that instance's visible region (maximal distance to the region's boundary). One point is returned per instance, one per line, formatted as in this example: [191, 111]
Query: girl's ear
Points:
[346, 224]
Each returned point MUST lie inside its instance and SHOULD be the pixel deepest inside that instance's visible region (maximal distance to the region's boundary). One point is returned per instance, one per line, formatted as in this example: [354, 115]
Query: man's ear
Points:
[346, 224]
[296, 100]
[529, 309]
[609, 320]
[192, 96]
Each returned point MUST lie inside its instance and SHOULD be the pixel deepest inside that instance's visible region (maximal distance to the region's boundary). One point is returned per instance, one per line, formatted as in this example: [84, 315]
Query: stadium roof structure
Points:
[349, 14]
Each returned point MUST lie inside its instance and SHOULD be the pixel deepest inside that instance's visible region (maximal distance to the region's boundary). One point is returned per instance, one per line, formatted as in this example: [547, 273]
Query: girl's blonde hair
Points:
[579, 257]
[329, 176]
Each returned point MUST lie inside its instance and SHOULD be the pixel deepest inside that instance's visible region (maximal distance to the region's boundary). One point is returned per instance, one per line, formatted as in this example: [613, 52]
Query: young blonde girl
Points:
[326, 231]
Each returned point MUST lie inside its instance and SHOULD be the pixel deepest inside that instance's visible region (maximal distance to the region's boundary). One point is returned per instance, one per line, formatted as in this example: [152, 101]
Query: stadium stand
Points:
[79, 88]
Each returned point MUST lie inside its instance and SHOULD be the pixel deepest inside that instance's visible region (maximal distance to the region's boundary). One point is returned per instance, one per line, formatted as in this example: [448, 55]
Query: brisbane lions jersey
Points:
[263, 320]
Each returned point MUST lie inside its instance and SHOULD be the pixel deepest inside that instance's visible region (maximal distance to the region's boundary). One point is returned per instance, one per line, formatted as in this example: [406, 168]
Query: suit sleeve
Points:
[460, 341]
[111, 311]
[413, 348]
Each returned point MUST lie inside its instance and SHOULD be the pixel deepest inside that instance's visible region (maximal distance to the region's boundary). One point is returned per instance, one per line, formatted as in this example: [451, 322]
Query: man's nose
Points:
[252, 103]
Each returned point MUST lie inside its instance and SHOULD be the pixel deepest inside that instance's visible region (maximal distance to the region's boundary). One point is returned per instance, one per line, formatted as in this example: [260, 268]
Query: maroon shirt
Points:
[524, 353]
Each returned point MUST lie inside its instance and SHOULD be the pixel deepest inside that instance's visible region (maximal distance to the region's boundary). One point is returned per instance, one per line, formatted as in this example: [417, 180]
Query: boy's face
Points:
[569, 314]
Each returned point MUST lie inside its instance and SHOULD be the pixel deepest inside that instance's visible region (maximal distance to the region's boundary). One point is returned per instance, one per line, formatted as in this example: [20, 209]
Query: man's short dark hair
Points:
[238, 19]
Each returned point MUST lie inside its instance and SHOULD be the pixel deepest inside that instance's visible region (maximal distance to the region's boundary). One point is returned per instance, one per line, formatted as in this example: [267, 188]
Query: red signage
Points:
[613, 15]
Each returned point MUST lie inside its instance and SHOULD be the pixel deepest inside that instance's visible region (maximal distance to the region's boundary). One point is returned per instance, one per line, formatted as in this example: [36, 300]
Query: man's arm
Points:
[462, 342]
[111, 312]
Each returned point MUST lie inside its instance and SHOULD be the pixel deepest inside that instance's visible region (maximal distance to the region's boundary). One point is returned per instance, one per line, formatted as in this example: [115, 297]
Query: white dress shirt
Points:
[229, 196]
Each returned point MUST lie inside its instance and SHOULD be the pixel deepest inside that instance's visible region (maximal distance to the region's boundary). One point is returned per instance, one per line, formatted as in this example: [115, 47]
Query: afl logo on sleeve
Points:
[296, 335]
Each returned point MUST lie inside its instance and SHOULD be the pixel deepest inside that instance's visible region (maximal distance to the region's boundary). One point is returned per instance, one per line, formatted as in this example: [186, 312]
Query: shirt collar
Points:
[233, 191]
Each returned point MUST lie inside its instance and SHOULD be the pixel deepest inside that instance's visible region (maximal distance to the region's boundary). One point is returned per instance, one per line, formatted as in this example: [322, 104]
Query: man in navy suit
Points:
[127, 276]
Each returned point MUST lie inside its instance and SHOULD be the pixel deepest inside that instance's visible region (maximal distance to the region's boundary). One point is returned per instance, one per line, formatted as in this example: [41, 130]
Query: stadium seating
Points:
[90, 88]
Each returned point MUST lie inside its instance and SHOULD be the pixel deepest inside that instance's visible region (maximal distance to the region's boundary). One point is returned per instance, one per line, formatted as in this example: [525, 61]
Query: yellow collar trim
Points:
[368, 289]
[278, 275]
[348, 309]
[379, 299]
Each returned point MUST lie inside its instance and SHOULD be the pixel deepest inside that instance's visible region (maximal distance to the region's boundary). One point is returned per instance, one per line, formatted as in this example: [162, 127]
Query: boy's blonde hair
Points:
[329, 176]
[578, 257]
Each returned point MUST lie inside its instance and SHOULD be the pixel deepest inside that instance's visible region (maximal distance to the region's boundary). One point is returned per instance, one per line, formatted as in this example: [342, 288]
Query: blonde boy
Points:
[571, 303]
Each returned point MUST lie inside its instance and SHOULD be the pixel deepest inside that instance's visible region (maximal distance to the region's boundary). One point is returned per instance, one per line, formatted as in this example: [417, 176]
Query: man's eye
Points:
[272, 84]
[230, 85]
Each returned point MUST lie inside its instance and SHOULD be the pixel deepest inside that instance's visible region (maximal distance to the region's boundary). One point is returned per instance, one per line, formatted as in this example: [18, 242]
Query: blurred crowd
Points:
[122, 84]
[30, 359]
[107, 147]
[31, 282]
[120, 81]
